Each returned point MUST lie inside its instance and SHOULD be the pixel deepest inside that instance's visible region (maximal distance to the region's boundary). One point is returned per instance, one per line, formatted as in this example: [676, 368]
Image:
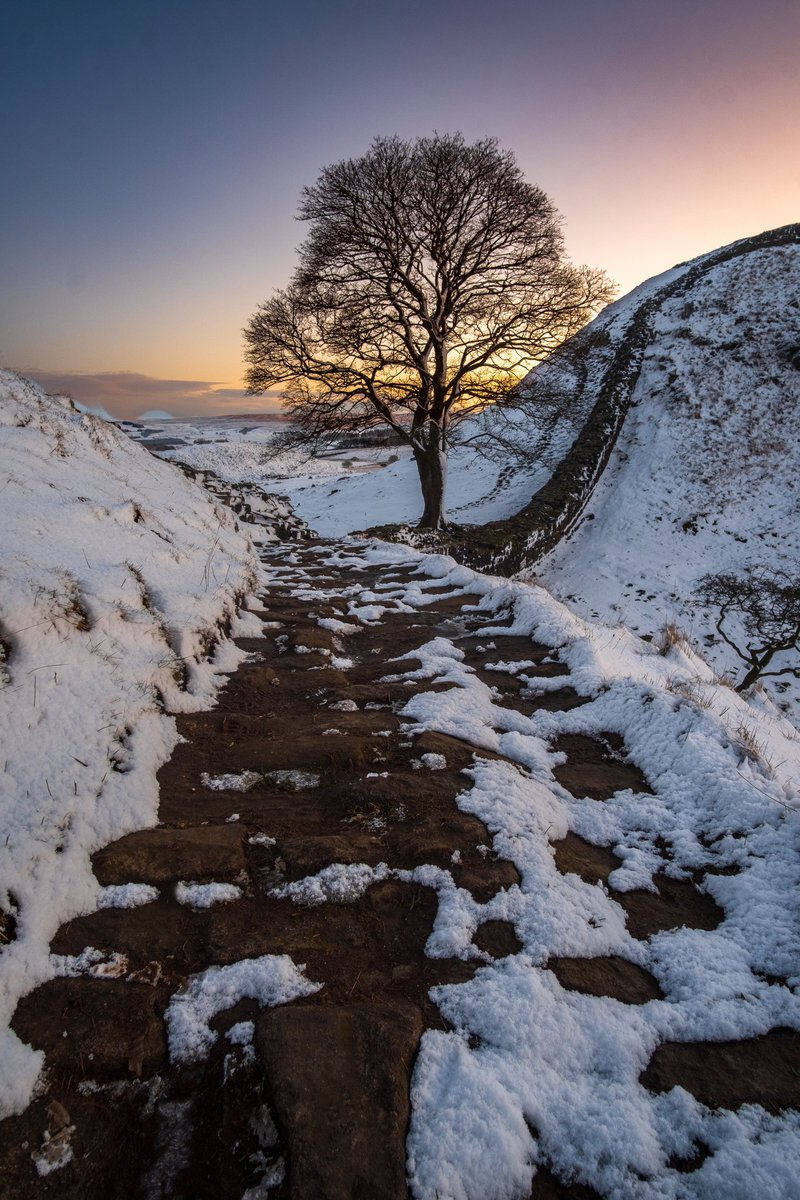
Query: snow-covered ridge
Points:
[593, 381]
[703, 477]
[118, 577]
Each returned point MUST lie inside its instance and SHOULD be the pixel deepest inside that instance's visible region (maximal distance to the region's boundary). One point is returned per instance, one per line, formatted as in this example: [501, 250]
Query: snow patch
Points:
[241, 782]
[126, 895]
[205, 895]
[118, 578]
[271, 980]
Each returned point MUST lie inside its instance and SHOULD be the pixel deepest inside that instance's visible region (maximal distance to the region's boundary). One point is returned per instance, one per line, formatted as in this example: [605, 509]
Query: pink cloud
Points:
[127, 394]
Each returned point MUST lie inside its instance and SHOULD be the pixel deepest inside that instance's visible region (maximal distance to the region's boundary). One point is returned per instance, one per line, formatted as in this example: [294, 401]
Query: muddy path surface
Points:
[173, 1068]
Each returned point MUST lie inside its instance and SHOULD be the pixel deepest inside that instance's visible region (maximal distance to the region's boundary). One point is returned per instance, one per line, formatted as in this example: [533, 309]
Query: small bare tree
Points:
[766, 605]
[432, 277]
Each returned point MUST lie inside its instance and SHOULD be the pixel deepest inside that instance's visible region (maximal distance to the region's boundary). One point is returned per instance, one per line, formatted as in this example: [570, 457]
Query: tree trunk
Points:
[756, 670]
[431, 460]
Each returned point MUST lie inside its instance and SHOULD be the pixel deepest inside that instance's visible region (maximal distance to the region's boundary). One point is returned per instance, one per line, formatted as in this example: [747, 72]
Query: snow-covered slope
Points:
[704, 476]
[117, 577]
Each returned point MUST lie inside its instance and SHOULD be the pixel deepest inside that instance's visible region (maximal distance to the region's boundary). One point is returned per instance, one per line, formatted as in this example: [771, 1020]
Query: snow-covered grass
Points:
[118, 577]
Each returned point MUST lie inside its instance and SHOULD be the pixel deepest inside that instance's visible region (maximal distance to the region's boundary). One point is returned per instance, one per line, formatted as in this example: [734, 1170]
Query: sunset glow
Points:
[154, 156]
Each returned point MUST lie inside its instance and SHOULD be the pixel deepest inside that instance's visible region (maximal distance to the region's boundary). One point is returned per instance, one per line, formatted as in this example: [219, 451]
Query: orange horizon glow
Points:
[660, 132]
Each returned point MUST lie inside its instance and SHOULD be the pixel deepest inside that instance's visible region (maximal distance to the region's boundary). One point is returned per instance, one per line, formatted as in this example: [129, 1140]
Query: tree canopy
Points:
[762, 610]
[432, 278]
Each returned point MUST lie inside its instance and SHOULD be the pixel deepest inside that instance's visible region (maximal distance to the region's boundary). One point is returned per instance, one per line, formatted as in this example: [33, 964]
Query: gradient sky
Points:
[153, 153]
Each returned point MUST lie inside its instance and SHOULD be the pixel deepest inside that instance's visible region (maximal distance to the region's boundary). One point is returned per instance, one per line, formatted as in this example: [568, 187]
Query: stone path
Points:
[314, 1105]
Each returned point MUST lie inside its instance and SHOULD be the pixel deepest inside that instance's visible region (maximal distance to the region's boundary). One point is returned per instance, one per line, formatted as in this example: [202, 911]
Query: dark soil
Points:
[575, 856]
[8, 927]
[611, 976]
[676, 903]
[324, 1107]
[762, 1070]
[497, 938]
[547, 1186]
[597, 766]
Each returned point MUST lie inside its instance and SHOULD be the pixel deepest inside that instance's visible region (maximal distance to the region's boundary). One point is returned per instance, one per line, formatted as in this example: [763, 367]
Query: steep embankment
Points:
[603, 372]
[118, 577]
[704, 474]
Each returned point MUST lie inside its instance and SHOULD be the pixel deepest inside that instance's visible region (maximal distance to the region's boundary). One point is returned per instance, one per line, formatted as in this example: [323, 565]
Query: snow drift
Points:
[118, 578]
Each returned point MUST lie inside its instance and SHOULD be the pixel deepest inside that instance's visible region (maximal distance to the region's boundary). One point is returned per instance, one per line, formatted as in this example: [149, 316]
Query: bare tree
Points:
[766, 606]
[432, 278]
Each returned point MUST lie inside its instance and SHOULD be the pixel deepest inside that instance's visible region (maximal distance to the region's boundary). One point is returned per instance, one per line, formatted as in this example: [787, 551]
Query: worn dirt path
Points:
[314, 1105]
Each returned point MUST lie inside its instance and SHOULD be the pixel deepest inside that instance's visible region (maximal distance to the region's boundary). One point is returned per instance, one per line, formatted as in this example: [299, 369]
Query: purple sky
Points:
[153, 154]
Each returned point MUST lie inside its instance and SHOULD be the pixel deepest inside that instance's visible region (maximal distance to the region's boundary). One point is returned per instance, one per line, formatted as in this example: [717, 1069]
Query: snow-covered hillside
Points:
[704, 476]
[118, 577]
